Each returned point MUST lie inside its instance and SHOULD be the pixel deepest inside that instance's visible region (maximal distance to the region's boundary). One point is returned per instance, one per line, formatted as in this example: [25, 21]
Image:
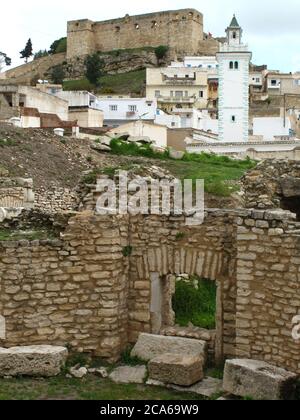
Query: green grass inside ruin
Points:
[220, 173]
[30, 235]
[195, 305]
[89, 388]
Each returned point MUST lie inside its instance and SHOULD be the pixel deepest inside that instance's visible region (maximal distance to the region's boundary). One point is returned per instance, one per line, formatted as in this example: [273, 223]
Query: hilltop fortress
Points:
[181, 30]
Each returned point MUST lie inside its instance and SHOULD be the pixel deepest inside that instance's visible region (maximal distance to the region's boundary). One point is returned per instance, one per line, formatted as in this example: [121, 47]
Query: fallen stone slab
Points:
[101, 148]
[177, 369]
[44, 361]
[129, 375]
[258, 380]
[176, 154]
[209, 387]
[150, 346]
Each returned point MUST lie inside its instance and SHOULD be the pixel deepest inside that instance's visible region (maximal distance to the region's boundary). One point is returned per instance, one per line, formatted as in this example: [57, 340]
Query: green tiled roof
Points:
[234, 23]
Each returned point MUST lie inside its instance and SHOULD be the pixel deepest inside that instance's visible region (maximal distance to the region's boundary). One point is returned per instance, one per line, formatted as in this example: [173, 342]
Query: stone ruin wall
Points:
[82, 290]
[181, 30]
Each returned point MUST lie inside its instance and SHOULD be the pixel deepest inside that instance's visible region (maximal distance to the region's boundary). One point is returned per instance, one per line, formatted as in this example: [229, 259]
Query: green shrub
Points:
[120, 147]
[129, 360]
[196, 305]
[161, 51]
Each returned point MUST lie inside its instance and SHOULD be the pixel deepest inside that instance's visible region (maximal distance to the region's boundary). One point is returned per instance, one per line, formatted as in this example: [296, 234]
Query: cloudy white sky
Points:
[271, 28]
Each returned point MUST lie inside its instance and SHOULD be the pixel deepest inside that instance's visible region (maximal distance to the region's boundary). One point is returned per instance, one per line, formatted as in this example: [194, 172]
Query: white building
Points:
[234, 59]
[271, 128]
[201, 62]
[78, 99]
[118, 110]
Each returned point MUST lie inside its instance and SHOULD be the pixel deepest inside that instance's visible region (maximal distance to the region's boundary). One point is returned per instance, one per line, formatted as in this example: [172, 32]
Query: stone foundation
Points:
[93, 289]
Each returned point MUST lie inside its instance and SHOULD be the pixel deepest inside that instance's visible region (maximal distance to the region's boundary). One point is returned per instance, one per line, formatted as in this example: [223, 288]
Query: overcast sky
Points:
[271, 29]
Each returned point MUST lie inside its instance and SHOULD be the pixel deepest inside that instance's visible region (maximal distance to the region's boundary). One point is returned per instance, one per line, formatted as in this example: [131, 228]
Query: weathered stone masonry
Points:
[86, 291]
[181, 30]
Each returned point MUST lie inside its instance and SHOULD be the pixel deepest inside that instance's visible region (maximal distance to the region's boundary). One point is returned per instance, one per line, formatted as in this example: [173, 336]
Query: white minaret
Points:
[234, 59]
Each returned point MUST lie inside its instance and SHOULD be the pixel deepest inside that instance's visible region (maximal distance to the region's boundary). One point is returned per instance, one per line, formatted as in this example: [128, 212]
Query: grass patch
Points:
[18, 235]
[81, 84]
[220, 173]
[7, 143]
[127, 359]
[120, 147]
[196, 305]
[89, 388]
[122, 84]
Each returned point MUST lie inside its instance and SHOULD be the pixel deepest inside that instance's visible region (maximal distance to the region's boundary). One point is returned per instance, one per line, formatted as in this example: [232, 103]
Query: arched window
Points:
[236, 65]
[234, 35]
[231, 65]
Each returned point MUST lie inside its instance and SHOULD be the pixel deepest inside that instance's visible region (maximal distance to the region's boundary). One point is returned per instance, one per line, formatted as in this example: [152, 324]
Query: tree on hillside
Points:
[94, 69]
[58, 46]
[28, 51]
[4, 60]
[40, 54]
[58, 74]
[161, 52]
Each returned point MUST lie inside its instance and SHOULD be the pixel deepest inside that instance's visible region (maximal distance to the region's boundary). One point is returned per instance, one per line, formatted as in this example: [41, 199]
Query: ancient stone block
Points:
[150, 346]
[178, 369]
[259, 380]
[129, 375]
[43, 361]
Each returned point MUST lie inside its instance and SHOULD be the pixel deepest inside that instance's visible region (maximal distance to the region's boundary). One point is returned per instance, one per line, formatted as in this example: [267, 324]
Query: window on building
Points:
[273, 82]
[179, 94]
[257, 80]
[171, 94]
[132, 108]
[236, 65]
[173, 124]
[189, 65]
[233, 119]
[231, 65]
[201, 94]
[113, 108]
[200, 66]
[234, 35]
[186, 94]
[157, 93]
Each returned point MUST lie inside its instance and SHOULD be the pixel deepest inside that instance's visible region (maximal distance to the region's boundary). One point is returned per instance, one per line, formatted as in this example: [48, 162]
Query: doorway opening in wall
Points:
[182, 301]
[194, 303]
[292, 204]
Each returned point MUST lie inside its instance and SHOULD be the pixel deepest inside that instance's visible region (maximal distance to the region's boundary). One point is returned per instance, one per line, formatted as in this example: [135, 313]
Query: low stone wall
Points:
[55, 200]
[110, 278]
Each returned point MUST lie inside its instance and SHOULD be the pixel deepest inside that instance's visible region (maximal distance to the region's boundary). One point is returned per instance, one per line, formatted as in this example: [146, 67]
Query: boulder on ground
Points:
[258, 380]
[101, 148]
[105, 140]
[45, 361]
[178, 369]
[176, 154]
[150, 346]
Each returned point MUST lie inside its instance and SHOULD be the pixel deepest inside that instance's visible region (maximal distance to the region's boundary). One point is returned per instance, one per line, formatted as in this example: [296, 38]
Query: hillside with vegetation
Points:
[49, 160]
